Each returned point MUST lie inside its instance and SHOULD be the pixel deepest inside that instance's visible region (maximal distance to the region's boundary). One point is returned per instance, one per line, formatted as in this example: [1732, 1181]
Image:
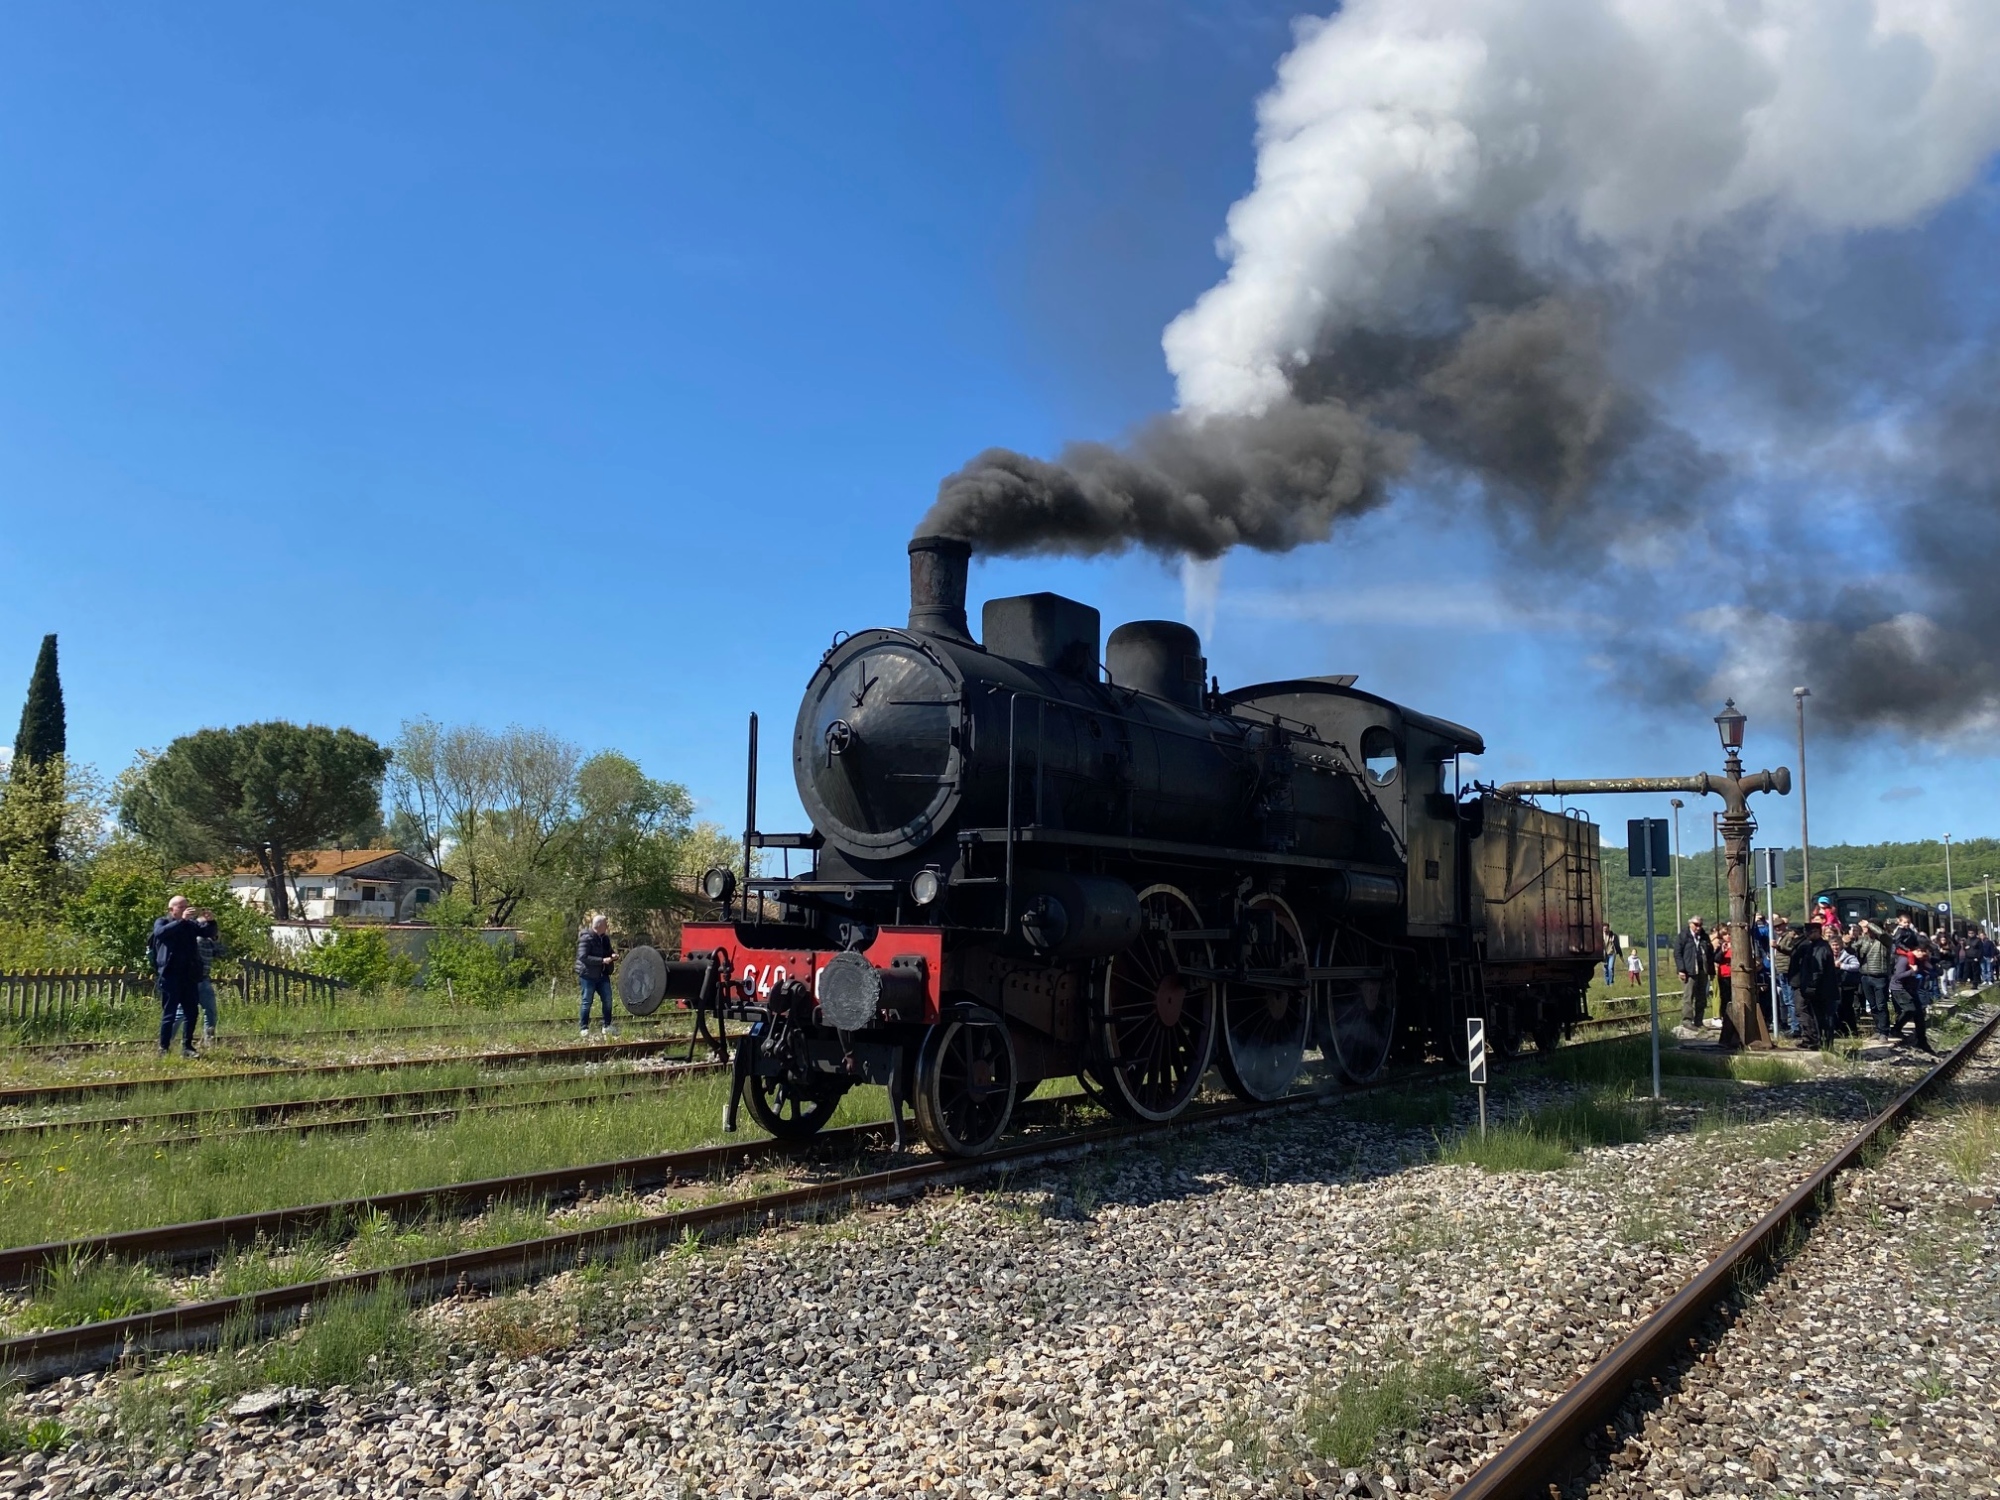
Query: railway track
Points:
[359, 1109]
[43, 1356]
[141, 1044]
[52, 1093]
[1556, 1442]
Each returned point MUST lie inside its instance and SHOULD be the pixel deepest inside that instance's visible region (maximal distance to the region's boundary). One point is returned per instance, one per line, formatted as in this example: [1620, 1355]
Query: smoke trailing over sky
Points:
[1645, 278]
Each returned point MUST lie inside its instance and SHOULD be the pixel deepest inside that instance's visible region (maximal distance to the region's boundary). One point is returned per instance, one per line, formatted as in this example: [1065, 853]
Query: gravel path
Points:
[1869, 1365]
[1233, 1312]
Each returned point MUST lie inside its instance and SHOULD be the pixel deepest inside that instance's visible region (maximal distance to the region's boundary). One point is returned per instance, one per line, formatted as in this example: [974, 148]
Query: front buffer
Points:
[818, 1022]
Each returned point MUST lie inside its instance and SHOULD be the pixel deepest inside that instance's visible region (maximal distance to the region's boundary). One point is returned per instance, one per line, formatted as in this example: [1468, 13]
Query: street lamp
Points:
[1729, 724]
[1677, 804]
[1799, 696]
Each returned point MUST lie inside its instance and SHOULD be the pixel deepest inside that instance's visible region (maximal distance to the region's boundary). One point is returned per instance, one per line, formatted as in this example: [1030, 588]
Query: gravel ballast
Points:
[1208, 1315]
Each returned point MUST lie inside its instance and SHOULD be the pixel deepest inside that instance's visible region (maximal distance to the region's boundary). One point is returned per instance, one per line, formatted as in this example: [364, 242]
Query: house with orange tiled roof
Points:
[351, 885]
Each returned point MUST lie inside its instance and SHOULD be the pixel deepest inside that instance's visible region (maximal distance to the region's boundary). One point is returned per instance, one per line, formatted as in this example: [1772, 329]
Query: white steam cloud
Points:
[1596, 141]
[1646, 277]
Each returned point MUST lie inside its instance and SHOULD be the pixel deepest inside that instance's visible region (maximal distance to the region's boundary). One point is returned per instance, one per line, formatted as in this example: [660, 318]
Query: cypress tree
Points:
[42, 737]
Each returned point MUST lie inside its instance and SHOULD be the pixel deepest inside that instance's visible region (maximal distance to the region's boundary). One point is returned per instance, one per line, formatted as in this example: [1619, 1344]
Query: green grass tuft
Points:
[1548, 1139]
[1350, 1423]
[84, 1289]
[352, 1340]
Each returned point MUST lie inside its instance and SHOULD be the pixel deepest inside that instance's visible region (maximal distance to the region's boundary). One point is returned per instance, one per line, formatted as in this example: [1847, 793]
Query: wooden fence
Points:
[273, 984]
[49, 998]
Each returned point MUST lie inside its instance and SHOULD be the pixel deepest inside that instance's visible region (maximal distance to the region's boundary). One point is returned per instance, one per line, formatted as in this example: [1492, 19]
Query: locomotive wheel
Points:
[1156, 1025]
[1358, 1018]
[1548, 1035]
[1264, 1026]
[782, 1106]
[965, 1083]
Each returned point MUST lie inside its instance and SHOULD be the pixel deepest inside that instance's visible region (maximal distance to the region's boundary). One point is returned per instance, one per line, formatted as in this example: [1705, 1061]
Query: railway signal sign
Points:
[1769, 866]
[1475, 1060]
[1647, 851]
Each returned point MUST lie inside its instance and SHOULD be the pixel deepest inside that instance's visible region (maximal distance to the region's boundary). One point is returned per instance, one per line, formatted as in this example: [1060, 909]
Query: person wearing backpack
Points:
[175, 948]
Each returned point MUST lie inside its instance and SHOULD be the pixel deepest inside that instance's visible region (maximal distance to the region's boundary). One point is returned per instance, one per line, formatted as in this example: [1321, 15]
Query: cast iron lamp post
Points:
[1743, 1024]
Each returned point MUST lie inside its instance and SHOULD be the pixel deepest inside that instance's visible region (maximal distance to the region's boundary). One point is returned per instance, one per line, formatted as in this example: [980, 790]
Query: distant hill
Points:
[1914, 870]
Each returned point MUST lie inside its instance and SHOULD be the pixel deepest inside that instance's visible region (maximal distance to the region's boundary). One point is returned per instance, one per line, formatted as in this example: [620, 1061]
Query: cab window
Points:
[1378, 754]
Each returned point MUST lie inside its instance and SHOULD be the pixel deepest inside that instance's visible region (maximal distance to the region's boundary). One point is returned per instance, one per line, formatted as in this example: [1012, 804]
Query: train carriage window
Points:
[1378, 754]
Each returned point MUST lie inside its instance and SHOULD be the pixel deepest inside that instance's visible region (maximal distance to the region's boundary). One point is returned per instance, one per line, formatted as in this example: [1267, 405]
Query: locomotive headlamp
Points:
[925, 886]
[718, 883]
[1729, 724]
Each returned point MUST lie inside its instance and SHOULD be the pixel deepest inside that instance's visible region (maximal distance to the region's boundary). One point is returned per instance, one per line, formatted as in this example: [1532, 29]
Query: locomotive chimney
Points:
[937, 586]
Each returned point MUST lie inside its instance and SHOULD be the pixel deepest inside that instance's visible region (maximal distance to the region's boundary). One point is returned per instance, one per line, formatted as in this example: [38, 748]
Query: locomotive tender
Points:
[1027, 867]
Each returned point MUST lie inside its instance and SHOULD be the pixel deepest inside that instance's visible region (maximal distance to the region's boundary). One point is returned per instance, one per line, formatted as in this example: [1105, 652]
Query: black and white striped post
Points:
[1475, 1056]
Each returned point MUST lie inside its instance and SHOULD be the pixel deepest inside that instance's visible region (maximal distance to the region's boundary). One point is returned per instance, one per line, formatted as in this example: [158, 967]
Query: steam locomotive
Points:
[1027, 866]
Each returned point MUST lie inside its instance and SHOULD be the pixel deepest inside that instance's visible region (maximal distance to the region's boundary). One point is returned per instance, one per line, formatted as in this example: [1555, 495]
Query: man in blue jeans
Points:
[177, 968]
[594, 958]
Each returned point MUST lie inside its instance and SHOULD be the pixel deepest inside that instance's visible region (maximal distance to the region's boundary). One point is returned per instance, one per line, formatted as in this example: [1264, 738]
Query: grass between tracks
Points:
[95, 1184]
[222, 1093]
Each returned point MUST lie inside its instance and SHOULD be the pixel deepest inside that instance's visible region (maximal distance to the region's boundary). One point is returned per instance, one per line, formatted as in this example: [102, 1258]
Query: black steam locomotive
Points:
[1025, 866]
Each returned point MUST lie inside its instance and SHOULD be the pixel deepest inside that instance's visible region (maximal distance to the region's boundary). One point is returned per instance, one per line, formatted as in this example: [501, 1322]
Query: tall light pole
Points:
[1988, 879]
[1799, 696]
[1948, 912]
[1679, 922]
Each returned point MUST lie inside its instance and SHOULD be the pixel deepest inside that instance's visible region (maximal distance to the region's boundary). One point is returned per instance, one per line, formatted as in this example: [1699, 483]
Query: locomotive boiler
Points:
[1031, 858]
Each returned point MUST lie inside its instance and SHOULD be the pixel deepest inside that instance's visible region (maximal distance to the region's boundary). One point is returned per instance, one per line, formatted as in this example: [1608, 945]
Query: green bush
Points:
[363, 958]
[462, 962]
[114, 912]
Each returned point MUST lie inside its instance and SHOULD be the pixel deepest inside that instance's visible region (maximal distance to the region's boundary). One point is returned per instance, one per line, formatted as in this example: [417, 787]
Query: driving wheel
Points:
[1265, 1018]
[1156, 1018]
[966, 1080]
[1358, 1016]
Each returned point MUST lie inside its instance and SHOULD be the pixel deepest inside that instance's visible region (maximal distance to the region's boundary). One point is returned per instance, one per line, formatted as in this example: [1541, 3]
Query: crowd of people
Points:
[1834, 980]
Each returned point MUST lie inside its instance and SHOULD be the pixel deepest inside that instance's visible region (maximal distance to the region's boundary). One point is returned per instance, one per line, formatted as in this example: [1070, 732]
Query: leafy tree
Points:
[43, 736]
[257, 795]
[495, 810]
[51, 822]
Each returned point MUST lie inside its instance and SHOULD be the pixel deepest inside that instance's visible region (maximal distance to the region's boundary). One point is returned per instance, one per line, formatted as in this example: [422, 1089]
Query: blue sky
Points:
[587, 367]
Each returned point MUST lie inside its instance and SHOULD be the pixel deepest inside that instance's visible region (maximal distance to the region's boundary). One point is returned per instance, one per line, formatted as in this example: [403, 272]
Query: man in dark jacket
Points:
[177, 969]
[594, 958]
[1784, 942]
[1876, 963]
[1815, 986]
[1694, 958]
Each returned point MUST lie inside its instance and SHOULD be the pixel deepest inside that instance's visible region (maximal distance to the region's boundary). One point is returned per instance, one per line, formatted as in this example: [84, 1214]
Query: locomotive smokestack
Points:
[937, 586]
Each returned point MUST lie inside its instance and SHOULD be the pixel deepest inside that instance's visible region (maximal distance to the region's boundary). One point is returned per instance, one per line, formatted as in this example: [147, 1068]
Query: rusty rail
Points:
[1545, 1448]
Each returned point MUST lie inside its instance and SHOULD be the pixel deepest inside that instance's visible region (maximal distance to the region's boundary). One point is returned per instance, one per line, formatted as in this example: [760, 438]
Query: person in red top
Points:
[1722, 968]
[1827, 917]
